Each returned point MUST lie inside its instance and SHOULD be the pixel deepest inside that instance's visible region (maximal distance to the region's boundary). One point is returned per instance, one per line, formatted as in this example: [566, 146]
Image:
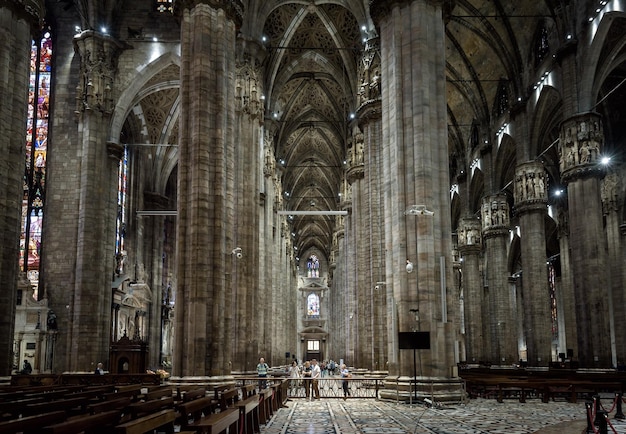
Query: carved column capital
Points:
[99, 54]
[495, 214]
[32, 11]
[531, 192]
[580, 143]
[469, 236]
[232, 8]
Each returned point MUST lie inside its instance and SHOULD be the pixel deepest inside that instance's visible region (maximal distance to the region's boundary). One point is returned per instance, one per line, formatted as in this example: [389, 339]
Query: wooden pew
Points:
[249, 410]
[265, 405]
[228, 398]
[161, 392]
[139, 409]
[132, 392]
[195, 409]
[11, 409]
[181, 390]
[70, 405]
[31, 424]
[190, 394]
[216, 423]
[112, 404]
[97, 423]
[163, 420]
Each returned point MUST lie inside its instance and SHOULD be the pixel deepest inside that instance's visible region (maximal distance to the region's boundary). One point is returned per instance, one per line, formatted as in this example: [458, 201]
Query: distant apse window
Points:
[313, 306]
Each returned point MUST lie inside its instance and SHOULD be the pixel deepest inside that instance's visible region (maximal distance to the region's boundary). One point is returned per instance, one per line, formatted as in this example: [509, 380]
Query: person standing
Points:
[345, 374]
[261, 370]
[306, 374]
[99, 369]
[316, 374]
[294, 374]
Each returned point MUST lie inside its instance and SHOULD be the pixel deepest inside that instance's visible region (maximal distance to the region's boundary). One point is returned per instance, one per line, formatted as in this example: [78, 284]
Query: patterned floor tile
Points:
[480, 416]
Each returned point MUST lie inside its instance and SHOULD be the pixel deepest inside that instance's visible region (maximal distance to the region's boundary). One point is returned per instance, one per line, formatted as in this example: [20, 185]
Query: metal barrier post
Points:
[618, 413]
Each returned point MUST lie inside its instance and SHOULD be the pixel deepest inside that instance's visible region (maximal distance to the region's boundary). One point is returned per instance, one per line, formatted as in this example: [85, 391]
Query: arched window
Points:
[541, 45]
[313, 266]
[501, 105]
[36, 156]
[313, 306]
[120, 225]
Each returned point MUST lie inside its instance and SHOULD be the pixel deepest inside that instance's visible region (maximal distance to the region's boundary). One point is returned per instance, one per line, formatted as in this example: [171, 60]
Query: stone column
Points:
[368, 149]
[501, 315]
[357, 235]
[19, 24]
[581, 140]
[474, 301]
[248, 292]
[416, 190]
[205, 311]
[84, 173]
[566, 302]
[531, 199]
[611, 200]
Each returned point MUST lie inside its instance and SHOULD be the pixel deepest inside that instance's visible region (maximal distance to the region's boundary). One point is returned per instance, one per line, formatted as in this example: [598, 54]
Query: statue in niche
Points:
[584, 152]
[52, 320]
[359, 148]
[461, 238]
[539, 186]
[375, 85]
[473, 236]
[529, 186]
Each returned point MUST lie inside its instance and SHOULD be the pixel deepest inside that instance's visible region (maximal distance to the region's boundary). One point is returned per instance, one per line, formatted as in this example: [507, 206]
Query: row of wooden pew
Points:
[137, 409]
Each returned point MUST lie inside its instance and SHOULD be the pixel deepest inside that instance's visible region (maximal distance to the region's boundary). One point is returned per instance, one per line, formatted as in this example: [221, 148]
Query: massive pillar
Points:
[417, 183]
[580, 143]
[501, 315]
[474, 301]
[530, 201]
[611, 200]
[248, 175]
[19, 23]
[83, 173]
[372, 254]
[206, 210]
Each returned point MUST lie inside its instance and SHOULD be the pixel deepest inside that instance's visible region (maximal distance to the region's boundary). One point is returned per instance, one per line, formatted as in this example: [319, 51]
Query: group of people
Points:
[308, 376]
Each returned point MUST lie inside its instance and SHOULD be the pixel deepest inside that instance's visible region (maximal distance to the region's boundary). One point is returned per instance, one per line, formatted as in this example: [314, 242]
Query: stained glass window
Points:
[313, 306]
[120, 225]
[36, 156]
[313, 266]
[165, 5]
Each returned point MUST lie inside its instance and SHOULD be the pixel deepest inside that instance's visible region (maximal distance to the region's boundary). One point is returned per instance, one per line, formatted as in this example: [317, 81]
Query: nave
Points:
[476, 416]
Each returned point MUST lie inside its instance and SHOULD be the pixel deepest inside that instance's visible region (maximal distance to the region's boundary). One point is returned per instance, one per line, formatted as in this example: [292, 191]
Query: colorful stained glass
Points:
[36, 156]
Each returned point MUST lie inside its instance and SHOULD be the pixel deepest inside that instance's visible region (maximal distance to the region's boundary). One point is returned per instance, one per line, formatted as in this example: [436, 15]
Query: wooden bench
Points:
[96, 423]
[195, 409]
[138, 409]
[133, 393]
[161, 392]
[112, 404]
[183, 390]
[70, 406]
[217, 423]
[217, 390]
[190, 395]
[163, 419]
[31, 423]
[249, 414]
[265, 405]
[228, 398]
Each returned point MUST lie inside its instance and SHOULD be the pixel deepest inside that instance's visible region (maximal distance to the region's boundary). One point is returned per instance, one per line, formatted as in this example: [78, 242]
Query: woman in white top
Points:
[294, 374]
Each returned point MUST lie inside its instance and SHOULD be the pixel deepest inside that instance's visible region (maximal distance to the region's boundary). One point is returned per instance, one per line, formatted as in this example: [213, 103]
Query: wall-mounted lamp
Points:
[237, 252]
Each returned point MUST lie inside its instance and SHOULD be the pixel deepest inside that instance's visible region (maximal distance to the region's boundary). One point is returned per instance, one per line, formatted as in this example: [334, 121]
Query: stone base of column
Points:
[429, 390]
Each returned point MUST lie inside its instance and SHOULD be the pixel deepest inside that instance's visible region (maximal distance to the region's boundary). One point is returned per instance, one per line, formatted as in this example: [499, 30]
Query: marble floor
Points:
[476, 416]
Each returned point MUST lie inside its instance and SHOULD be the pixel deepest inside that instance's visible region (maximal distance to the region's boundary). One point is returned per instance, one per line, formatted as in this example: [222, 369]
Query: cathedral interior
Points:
[214, 181]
